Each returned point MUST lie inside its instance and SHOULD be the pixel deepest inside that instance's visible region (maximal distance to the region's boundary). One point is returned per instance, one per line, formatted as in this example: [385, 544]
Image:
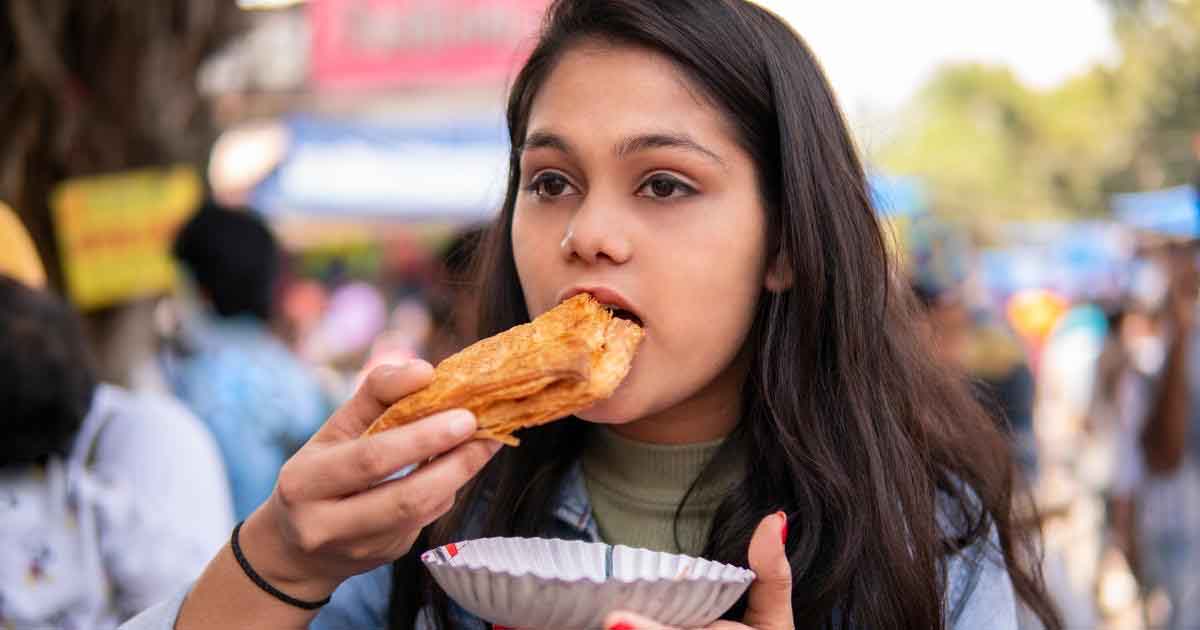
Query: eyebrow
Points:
[546, 140]
[632, 144]
[665, 140]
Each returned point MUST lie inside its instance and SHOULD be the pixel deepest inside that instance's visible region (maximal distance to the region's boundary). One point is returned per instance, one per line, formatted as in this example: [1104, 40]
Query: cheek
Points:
[535, 249]
[719, 297]
[712, 280]
[724, 264]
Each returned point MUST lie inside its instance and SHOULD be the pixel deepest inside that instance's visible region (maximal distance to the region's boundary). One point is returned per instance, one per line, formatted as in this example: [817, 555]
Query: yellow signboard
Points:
[114, 232]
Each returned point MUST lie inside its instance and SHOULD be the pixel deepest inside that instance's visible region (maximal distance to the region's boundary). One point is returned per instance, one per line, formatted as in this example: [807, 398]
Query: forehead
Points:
[599, 90]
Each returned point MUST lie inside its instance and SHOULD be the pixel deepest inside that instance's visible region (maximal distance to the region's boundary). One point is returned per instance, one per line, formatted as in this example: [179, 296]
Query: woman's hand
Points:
[329, 517]
[770, 605]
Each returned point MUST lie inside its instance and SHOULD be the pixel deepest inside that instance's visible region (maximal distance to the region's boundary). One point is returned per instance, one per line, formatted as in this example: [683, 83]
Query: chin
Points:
[621, 408]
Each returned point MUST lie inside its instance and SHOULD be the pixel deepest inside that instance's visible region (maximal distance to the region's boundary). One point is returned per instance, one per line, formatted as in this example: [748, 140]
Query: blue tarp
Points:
[1172, 211]
[1088, 260]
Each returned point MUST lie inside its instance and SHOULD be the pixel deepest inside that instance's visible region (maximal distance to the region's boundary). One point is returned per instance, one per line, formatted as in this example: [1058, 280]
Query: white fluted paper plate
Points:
[572, 585]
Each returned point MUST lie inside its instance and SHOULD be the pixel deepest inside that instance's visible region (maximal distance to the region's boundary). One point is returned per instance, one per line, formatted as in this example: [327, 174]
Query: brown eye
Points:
[665, 187]
[662, 187]
[554, 186]
[550, 185]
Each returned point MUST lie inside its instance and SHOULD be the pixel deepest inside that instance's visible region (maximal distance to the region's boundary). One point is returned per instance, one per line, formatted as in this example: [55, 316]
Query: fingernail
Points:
[784, 530]
[621, 625]
[461, 424]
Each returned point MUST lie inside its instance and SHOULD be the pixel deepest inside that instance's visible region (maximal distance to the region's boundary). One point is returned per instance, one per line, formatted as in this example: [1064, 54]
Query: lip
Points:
[605, 295]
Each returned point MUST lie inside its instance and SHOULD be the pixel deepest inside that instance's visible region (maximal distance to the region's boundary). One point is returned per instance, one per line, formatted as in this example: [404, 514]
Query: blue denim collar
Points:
[572, 510]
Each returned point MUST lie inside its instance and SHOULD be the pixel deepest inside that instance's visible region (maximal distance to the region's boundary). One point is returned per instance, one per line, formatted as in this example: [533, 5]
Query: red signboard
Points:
[367, 43]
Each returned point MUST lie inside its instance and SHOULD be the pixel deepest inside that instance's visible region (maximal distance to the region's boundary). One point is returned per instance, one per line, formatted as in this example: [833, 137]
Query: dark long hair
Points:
[856, 432]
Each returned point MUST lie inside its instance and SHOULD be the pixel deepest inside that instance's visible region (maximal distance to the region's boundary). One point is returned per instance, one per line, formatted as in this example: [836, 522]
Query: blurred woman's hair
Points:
[46, 375]
[457, 262]
[457, 258]
[882, 455]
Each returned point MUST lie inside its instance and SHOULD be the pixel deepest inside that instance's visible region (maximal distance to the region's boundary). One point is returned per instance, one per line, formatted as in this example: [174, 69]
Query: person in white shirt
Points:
[109, 501]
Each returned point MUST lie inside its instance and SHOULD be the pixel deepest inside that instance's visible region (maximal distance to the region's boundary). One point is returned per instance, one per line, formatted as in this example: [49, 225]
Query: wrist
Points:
[281, 567]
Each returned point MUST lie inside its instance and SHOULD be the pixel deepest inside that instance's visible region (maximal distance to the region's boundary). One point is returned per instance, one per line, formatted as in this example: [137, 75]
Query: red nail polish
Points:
[621, 625]
[783, 532]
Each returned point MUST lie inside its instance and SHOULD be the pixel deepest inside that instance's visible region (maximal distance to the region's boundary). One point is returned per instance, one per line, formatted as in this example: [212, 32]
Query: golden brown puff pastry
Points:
[563, 361]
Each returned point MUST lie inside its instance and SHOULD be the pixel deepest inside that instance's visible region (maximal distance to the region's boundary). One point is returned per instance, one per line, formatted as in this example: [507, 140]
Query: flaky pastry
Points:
[563, 361]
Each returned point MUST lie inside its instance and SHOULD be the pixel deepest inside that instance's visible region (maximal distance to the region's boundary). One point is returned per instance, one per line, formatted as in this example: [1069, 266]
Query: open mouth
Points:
[621, 313]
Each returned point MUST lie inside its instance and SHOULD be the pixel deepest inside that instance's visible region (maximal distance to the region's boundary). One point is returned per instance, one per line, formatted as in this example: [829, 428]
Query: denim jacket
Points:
[979, 594]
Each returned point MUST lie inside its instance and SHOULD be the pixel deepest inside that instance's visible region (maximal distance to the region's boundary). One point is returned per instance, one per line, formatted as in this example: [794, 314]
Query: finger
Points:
[629, 621]
[421, 497]
[770, 600]
[383, 386]
[354, 465]
[457, 467]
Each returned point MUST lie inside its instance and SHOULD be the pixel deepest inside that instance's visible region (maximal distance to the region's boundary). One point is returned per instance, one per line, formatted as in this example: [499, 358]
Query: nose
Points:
[597, 234]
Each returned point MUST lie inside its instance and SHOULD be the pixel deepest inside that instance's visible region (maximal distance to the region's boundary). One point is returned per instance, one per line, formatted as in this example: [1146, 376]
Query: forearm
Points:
[329, 518]
[225, 597]
[1166, 428]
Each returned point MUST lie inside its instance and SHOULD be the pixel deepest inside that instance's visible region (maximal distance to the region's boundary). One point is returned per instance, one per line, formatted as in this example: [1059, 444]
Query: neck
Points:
[709, 414]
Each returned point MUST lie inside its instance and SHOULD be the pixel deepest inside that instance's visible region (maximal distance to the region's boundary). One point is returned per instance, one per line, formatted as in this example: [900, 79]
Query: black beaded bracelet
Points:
[263, 584]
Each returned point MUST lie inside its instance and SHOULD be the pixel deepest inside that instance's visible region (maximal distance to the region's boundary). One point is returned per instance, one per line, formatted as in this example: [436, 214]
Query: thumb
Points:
[770, 600]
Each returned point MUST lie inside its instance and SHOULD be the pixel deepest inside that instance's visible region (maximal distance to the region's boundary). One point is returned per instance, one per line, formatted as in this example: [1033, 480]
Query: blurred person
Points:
[1157, 484]
[105, 505]
[303, 302]
[260, 401]
[454, 296]
[406, 336]
[1132, 361]
[355, 314]
[1076, 431]
[991, 357]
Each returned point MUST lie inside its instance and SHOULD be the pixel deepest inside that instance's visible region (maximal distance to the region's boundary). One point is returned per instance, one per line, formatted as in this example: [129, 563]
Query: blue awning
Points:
[452, 171]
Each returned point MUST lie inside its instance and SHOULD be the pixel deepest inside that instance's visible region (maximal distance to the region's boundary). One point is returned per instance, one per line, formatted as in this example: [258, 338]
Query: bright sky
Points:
[878, 52]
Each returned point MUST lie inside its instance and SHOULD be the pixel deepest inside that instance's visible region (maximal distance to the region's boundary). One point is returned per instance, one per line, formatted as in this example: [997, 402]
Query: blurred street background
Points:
[251, 203]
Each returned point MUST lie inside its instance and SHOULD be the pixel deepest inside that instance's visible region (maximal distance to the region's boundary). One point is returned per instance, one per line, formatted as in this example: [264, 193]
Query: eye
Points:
[663, 186]
[549, 185]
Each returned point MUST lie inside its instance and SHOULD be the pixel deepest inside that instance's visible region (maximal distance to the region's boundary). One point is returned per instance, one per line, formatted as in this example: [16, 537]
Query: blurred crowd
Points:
[1101, 395]
[114, 497]
[117, 486]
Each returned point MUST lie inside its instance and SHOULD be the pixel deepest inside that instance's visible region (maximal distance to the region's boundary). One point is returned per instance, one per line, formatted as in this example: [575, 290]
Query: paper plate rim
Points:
[432, 560]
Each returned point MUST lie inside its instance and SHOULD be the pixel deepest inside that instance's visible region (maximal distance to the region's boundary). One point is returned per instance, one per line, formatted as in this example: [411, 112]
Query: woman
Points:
[685, 161]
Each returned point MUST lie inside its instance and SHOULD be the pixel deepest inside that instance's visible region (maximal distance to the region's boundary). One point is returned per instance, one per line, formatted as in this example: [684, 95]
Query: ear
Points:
[780, 276]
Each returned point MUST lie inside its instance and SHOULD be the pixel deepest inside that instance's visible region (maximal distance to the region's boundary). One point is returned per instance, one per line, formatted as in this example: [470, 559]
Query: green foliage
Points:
[991, 146]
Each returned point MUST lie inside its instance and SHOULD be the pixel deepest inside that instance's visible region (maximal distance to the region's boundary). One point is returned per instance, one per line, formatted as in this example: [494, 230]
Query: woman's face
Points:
[634, 188]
